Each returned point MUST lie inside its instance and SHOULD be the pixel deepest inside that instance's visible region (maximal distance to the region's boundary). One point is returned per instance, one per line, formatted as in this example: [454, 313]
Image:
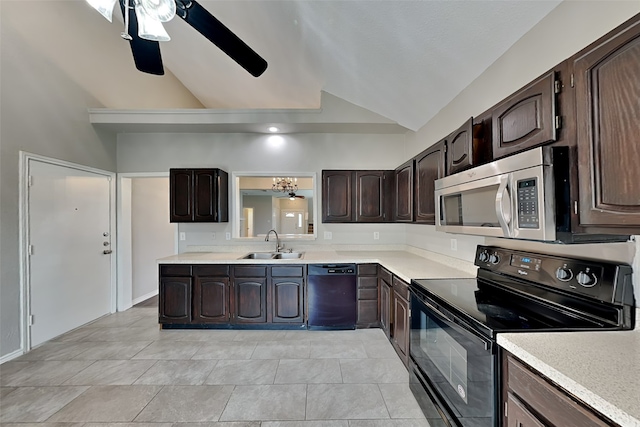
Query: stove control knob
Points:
[564, 274]
[494, 258]
[587, 279]
[483, 256]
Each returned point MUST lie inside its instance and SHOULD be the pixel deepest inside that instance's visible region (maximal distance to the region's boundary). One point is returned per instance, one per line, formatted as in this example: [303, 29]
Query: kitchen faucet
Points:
[278, 247]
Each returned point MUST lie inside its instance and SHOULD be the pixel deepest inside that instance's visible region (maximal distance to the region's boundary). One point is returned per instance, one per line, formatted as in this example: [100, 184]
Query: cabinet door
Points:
[401, 326]
[403, 206]
[607, 89]
[180, 195]
[385, 307]
[370, 196]
[430, 165]
[336, 196]
[211, 300]
[460, 148]
[526, 119]
[519, 416]
[288, 299]
[250, 300]
[205, 195]
[174, 300]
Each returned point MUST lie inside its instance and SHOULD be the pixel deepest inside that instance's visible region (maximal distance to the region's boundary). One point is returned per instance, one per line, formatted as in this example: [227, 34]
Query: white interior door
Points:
[292, 221]
[69, 230]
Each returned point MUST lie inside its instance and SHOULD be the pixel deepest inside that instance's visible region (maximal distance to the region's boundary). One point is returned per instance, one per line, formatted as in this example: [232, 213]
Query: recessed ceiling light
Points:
[273, 129]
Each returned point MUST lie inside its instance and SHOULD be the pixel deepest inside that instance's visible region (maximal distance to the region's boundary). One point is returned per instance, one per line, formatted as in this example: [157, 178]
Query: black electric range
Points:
[454, 323]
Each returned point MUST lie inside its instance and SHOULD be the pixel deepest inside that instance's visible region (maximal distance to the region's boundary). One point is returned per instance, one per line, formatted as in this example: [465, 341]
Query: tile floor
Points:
[123, 371]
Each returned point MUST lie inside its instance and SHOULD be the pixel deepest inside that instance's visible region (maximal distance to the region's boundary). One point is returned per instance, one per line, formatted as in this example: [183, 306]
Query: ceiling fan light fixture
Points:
[160, 10]
[105, 7]
[149, 28]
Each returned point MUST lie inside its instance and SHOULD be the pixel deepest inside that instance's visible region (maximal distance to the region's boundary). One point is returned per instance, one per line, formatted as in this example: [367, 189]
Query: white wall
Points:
[43, 112]
[152, 235]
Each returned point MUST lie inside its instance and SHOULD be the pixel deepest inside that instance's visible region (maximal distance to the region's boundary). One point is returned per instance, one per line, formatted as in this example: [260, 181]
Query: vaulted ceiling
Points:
[401, 59]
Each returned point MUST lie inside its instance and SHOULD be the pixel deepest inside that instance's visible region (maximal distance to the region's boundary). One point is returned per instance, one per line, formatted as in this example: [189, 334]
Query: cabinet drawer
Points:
[179, 270]
[287, 271]
[367, 313]
[385, 275]
[368, 282]
[547, 400]
[401, 288]
[367, 269]
[211, 270]
[250, 271]
[368, 293]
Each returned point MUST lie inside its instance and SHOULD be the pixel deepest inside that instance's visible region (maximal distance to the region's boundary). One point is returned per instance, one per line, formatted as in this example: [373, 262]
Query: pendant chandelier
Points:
[285, 185]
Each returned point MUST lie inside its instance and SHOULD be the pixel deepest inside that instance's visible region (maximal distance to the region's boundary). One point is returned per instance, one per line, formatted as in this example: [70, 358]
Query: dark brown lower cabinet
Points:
[288, 299]
[211, 300]
[174, 300]
[531, 400]
[250, 299]
[400, 333]
[368, 315]
[386, 293]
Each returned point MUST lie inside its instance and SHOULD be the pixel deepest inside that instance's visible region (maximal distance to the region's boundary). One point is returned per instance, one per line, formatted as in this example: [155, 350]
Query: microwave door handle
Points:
[503, 200]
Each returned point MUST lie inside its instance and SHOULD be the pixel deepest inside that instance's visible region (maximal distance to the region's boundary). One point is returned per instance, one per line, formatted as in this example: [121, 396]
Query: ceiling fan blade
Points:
[217, 33]
[146, 53]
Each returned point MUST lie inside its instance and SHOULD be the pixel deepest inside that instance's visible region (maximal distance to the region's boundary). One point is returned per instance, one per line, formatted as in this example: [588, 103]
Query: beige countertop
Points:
[600, 368]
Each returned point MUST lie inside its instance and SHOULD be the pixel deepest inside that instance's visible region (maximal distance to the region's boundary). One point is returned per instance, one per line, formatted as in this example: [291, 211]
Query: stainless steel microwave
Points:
[524, 196]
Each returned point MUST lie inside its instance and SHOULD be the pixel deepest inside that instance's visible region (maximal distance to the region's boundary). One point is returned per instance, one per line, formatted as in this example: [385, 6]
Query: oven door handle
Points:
[503, 200]
[488, 345]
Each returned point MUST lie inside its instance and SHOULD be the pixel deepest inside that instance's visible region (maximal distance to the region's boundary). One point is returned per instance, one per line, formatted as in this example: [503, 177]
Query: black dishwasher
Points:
[332, 296]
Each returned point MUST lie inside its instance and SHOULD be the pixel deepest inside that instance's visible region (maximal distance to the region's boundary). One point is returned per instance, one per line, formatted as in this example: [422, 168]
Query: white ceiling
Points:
[401, 59]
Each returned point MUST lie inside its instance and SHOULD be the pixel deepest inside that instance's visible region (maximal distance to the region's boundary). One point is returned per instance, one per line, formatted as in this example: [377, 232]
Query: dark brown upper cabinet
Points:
[460, 148]
[198, 195]
[356, 196]
[403, 194]
[607, 94]
[430, 165]
[527, 118]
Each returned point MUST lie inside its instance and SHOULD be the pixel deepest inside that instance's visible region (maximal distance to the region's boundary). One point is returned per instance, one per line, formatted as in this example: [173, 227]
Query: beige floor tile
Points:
[266, 402]
[371, 371]
[111, 372]
[6, 390]
[219, 424]
[120, 319]
[186, 404]
[308, 371]
[345, 402]
[206, 335]
[126, 425]
[379, 350]
[252, 335]
[9, 369]
[226, 350]
[243, 372]
[337, 350]
[282, 350]
[43, 424]
[124, 333]
[45, 373]
[316, 423]
[400, 401]
[36, 404]
[56, 350]
[112, 350]
[107, 404]
[178, 372]
[168, 351]
[390, 423]
[80, 334]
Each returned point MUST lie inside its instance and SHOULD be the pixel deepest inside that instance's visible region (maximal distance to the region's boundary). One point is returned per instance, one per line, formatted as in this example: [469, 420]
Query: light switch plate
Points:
[454, 244]
[376, 235]
[328, 235]
[227, 236]
[183, 235]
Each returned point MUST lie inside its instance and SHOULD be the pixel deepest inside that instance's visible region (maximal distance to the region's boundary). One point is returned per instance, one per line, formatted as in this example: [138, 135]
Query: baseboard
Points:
[144, 297]
[11, 356]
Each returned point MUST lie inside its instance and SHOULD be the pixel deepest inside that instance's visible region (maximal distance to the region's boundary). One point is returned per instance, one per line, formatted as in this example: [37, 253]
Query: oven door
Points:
[453, 369]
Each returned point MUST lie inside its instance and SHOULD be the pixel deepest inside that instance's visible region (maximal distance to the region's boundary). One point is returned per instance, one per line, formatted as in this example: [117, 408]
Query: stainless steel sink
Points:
[272, 255]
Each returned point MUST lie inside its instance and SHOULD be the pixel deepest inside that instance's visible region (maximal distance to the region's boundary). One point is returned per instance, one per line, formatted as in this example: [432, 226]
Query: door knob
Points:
[107, 251]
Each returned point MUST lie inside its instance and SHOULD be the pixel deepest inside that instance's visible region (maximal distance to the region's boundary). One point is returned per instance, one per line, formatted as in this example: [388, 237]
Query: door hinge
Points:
[444, 148]
[575, 207]
[557, 86]
[30, 320]
[30, 250]
[109, 178]
[30, 181]
[505, 408]
[558, 122]
[572, 81]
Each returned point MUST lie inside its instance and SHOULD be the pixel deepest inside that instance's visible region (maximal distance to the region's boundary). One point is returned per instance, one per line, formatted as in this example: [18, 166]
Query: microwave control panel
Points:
[528, 204]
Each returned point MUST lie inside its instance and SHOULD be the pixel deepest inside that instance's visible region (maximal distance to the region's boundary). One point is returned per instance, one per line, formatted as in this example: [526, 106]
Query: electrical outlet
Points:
[376, 235]
[183, 235]
[213, 236]
[454, 244]
[227, 236]
[328, 235]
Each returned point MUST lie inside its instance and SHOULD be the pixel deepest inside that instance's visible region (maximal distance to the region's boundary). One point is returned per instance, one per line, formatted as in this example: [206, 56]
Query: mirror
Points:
[285, 202]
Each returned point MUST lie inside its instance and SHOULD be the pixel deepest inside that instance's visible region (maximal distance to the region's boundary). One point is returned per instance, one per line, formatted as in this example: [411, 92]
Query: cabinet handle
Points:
[107, 251]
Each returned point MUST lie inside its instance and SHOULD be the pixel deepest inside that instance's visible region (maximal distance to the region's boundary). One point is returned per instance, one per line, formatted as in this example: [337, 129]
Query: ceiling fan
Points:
[143, 28]
[292, 196]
